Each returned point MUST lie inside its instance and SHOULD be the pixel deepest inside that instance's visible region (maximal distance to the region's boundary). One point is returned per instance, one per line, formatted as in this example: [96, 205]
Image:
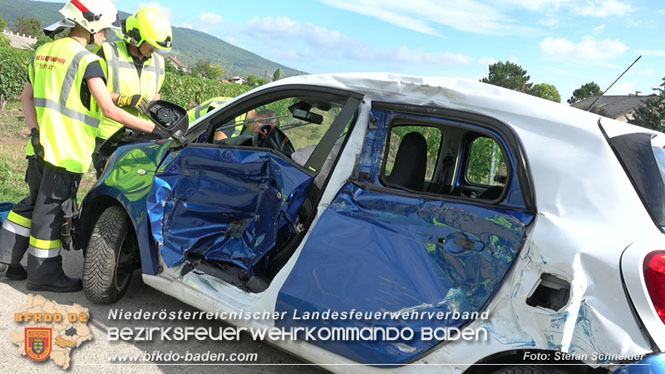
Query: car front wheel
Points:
[111, 258]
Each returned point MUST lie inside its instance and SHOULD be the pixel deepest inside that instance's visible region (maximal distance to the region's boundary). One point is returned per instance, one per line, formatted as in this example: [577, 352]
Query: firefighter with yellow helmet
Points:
[62, 105]
[135, 73]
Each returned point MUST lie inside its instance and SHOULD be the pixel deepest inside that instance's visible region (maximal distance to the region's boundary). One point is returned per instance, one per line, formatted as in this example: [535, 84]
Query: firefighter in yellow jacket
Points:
[135, 73]
[62, 105]
[212, 104]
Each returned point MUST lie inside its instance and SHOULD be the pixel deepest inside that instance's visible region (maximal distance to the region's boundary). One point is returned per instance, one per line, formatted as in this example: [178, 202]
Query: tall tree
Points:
[508, 75]
[277, 75]
[545, 91]
[3, 23]
[214, 72]
[586, 90]
[207, 70]
[651, 114]
[29, 26]
[171, 67]
[252, 80]
[512, 76]
[198, 68]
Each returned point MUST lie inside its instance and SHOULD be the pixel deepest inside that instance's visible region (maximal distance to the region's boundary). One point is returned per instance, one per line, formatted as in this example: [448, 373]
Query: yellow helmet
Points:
[148, 25]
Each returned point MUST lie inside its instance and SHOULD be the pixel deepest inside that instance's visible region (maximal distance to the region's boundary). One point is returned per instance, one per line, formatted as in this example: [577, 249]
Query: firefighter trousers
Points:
[34, 224]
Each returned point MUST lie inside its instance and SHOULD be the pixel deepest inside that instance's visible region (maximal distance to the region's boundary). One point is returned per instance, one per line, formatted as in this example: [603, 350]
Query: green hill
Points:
[189, 45]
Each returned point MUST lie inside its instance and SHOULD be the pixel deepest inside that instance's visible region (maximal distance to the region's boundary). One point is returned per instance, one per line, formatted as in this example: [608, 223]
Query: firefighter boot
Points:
[13, 244]
[46, 274]
[16, 272]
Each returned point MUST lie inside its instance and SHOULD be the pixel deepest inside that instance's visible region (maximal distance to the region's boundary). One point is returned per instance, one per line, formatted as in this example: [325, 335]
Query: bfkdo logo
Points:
[38, 343]
[50, 331]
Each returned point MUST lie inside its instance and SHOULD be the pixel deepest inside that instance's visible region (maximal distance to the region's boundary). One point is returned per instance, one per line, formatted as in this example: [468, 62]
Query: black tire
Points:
[111, 257]
[530, 370]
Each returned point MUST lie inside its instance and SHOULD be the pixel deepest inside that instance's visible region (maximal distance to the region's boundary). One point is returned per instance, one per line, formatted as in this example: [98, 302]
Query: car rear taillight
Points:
[654, 276]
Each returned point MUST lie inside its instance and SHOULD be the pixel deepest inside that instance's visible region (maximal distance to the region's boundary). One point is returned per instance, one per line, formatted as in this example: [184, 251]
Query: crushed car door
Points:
[383, 256]
[230, 205]
[232, 202]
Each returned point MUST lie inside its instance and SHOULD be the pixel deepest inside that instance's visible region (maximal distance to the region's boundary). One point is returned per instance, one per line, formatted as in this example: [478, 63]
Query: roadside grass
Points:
[12, 157]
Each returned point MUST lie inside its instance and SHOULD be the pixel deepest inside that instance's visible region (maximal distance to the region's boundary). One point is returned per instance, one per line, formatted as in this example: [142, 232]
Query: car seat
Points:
[410, 163]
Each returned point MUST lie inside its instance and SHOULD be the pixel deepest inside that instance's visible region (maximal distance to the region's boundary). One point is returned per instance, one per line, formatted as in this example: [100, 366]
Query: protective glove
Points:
[161, 133]
[137, 102]
[36, 145]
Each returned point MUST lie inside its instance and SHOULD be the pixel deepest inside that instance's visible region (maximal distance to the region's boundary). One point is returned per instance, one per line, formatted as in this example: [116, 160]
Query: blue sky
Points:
[562, 42]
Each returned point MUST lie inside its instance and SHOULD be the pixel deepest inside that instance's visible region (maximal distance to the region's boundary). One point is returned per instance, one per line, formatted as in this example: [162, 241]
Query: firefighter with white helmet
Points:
[62, 105]
[135, 73]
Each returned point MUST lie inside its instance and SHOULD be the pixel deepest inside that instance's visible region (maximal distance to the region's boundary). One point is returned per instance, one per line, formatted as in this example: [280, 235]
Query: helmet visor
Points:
[166, 43]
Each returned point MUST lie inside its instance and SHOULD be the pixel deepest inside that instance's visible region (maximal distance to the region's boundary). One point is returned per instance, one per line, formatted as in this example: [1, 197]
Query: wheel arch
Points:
[98, 200]
[91, 209]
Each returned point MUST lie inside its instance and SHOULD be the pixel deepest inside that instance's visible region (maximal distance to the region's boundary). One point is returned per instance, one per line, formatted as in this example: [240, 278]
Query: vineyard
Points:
[183, 90]
[188, 91]
[13, 73]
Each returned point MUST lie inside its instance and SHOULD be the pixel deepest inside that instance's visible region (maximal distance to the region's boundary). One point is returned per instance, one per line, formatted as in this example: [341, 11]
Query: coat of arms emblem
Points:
[38, 343]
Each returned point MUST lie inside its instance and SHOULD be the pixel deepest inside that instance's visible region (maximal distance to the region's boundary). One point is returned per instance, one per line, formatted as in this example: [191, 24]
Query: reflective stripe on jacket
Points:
[67, 128]
[123, 79]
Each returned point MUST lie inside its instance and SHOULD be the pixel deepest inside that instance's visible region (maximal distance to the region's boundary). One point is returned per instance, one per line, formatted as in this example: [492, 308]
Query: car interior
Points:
[444, 160]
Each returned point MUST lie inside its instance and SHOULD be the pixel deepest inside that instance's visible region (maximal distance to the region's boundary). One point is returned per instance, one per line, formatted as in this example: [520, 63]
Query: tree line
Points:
[651, 114]
[504, 74]
[514, 77]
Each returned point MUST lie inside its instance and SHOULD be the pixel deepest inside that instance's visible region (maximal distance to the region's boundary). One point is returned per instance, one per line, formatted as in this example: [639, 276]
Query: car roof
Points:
[517, 109]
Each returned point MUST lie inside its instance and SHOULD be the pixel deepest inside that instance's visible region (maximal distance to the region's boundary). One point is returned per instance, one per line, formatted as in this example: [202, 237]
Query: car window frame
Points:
[623, 148]
[256, 98]
[481, 124]
[469, 138]
[401, 122]
[470, 134]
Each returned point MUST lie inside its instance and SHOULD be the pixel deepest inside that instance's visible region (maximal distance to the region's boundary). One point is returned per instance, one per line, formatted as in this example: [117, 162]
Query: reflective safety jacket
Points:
[211, 104]
[123, 79]
[67, 128]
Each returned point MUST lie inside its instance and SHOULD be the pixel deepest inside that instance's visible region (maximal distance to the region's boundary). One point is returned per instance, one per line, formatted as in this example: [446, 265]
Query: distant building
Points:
[178, 64]
[20, 41]
[236, 80]
[619, 107]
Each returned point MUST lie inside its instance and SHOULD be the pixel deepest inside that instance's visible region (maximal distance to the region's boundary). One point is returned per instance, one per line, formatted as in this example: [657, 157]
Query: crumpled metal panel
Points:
[226, 205]
[374, 252]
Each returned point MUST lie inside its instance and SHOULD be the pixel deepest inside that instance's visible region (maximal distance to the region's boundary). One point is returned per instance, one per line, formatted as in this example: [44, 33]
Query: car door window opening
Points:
[450, 159]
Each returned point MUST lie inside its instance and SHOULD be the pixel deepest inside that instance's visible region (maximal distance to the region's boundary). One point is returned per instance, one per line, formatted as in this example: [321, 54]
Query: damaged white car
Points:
[395, 223]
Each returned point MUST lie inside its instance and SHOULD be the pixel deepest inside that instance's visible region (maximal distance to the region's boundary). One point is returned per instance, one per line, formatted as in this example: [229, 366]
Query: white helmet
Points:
[92, 15]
